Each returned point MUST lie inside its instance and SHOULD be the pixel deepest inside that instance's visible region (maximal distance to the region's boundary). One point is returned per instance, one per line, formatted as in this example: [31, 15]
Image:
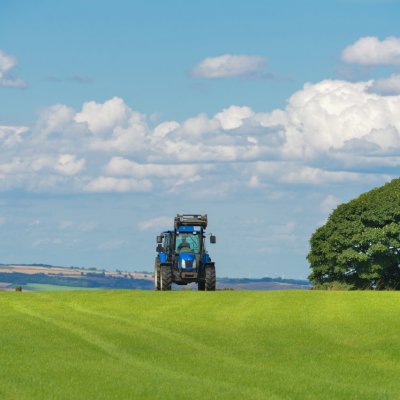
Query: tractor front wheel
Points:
[165, 277]
[210, 277]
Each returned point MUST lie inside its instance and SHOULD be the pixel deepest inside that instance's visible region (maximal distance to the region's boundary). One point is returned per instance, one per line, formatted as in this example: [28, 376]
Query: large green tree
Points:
[360, 243]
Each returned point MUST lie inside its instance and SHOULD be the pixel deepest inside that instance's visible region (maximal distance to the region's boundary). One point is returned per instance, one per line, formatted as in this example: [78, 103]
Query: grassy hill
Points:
[210, 345]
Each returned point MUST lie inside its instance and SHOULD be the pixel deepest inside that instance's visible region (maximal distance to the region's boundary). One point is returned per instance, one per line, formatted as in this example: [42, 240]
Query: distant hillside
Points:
[42, 276]
[73, 277]
[263, 284]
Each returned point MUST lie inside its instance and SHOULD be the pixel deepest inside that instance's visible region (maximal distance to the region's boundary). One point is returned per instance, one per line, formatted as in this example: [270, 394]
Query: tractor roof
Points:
[191, 220]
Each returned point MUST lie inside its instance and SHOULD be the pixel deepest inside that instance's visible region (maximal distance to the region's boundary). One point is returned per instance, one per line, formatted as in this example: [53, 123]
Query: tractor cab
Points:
[182, 254]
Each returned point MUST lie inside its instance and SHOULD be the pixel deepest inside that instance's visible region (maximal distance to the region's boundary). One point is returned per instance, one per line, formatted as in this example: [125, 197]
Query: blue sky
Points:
[114, 116]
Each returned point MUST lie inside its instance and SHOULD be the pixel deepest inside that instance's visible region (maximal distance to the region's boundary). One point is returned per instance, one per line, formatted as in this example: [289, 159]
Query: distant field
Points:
[199, 345]
[47, 276]
[4, 285]
[67, 272]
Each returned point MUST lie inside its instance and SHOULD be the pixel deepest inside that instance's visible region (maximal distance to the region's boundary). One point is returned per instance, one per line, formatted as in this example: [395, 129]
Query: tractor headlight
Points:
[194, 264]
[183, 264]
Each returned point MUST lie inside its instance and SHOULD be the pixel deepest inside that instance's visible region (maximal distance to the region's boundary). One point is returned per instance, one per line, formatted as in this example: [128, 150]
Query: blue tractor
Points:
[182, 256]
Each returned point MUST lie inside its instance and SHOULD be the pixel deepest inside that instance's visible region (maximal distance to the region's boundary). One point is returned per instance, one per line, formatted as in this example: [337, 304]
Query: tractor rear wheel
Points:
[210, 277]
[165, 277]
[157, 275]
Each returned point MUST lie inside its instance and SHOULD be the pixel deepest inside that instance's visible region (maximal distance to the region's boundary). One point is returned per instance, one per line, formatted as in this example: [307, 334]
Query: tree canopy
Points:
[360, 243]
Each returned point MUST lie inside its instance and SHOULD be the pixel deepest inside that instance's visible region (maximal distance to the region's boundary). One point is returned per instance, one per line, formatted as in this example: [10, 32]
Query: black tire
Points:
[157, 274]
[201, 285]
[210, 282]
[165, 277]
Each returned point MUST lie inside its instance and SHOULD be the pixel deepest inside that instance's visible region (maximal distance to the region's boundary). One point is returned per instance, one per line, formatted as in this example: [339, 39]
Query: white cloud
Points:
[115, 125]
[372, 51]
[120, 166]
[109, 184]
[14, 166]
[7, 63]
[284, 229]
[389, 86]
[329, 203]
[325, 116]
[67, 164]
[163, 129]
[254, 182]
[104, 117]
[295, 172]
[171, 175]
[55, 119]
[155, 223]
[11, 135]
[229, 66]
[317, 176]
[332, 131]
[234, 117]
[282, 233]
[40, 163]
[197, 126]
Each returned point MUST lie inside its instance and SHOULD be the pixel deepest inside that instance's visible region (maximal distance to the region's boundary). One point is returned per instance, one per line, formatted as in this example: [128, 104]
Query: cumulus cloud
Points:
[11, 135]
[116, 127]
[234, 117]
[370, 50]
[332, 131]
[296, 173]
[254, 182]
[68, 164]
[7, 63]
[323, 117]
[120, 166]
[14, 166]
[103, 117]
[197, 126]
[163, 129]
[388, 86]
[154, 223]
[109, 184]
[54, 119]
[319, 176]
[229, 66]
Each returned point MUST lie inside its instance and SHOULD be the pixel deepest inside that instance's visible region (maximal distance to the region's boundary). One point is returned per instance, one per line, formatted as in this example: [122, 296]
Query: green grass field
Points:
[193, 345]
[44, 287]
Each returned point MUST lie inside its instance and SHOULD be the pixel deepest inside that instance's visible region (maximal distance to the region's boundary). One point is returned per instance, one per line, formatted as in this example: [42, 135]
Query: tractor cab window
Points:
[167, 241]
[187, 243]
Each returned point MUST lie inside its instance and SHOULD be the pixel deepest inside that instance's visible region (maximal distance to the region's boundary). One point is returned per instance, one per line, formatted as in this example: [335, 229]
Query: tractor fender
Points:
[206, 258]
[163, 257]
